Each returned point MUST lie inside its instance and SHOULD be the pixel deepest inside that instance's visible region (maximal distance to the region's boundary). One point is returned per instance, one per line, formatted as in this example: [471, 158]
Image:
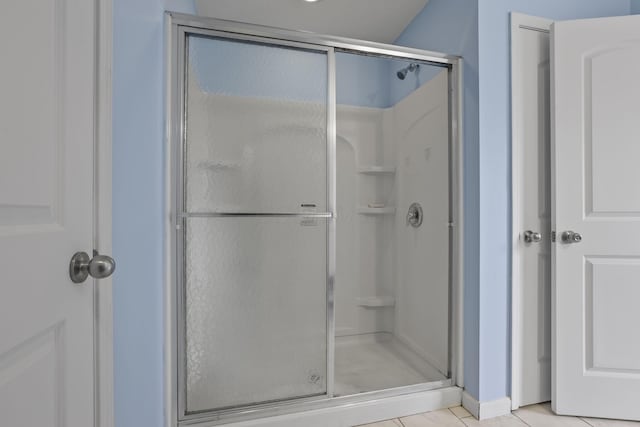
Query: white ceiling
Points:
[375, 20]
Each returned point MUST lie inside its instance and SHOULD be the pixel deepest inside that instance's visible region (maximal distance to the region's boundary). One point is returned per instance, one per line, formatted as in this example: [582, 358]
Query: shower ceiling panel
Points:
[375, 20]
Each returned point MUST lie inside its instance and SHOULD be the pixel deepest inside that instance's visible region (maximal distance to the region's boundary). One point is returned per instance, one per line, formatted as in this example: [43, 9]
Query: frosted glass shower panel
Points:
[255, 310]
[256, 119]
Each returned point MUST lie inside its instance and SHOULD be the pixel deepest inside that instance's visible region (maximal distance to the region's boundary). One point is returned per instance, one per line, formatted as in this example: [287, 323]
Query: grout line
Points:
[401, 423]
[587, 423]
[516, 415]
[461, 423]
[460, 418]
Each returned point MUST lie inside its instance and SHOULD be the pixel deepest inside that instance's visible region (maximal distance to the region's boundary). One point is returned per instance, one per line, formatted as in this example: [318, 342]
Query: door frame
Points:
[175, 24]
[533, 23]
[102, 214]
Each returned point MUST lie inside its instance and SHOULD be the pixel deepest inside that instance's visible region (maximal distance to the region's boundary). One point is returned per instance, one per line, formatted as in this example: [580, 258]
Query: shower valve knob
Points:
[414, 216]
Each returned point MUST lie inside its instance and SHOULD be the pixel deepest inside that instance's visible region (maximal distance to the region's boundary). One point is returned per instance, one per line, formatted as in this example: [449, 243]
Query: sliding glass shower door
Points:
[255, 218]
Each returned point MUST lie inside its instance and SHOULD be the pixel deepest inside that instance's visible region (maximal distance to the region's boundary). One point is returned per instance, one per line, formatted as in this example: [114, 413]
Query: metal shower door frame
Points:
[182, 214]
[179, 26]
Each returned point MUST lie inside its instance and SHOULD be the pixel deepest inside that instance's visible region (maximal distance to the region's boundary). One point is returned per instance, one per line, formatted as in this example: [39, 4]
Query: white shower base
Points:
[352, 414]
[378, 361]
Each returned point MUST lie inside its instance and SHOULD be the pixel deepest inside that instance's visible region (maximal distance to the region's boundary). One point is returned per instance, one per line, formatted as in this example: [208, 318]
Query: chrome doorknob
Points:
[571, 237]
[532, 236]
[98, 267]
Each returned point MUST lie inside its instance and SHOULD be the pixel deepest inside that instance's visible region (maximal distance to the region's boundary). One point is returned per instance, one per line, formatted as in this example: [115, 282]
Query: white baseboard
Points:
[485, 410]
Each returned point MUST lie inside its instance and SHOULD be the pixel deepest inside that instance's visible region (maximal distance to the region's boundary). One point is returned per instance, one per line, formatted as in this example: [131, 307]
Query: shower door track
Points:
[257, 214]
[178, 27]
[289, 406]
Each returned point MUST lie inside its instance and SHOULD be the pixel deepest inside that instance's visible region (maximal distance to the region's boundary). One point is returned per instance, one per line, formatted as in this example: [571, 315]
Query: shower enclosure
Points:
[314, 210]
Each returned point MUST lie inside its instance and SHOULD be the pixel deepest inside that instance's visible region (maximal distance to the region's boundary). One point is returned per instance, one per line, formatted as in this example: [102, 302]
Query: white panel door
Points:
[596, 153]
[46, 171]
[531, 211]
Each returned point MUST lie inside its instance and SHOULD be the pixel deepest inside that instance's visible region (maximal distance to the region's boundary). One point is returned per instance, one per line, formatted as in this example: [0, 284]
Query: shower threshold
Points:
[341, 411]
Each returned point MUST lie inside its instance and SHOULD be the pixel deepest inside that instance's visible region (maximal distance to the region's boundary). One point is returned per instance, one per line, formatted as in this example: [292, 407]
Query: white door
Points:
[531, 319]
[46, 179]
[596, 175]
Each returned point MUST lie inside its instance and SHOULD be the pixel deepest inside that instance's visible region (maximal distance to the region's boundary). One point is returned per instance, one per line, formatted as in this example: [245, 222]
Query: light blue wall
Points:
[495, 174]
[367, 81]
[138, 205]
[247, 69]
[252, 70]
[635, 7]
[362, 80]
[451, 26]
[400, 89]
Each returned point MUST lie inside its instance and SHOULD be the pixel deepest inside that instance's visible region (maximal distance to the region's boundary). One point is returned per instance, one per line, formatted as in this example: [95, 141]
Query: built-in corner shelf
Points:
[376, 301]
[377, 170]
[217, 164]
[387, 210]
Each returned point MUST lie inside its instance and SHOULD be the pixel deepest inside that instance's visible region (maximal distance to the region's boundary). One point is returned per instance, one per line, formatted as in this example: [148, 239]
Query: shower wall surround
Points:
[392, 277]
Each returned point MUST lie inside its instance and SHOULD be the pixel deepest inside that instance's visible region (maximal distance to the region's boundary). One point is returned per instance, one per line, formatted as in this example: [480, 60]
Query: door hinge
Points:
[553, 236]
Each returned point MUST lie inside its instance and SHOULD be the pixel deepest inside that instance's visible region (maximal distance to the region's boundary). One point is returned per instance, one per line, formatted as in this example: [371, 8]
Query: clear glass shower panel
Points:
[256, 127]
[393, 239]
[255, 310]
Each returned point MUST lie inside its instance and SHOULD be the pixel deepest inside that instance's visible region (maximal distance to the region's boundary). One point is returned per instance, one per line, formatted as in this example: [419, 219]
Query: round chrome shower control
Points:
[414, 216]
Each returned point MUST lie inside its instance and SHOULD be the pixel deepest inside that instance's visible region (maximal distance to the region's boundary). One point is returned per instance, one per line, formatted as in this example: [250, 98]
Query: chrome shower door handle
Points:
[532, 236]
[98, 267]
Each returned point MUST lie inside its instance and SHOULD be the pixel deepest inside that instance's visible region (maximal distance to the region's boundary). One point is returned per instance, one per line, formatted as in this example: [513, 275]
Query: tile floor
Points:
[532, 416]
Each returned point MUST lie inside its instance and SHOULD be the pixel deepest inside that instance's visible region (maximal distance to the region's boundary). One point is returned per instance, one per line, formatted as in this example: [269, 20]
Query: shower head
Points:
[413, 67]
